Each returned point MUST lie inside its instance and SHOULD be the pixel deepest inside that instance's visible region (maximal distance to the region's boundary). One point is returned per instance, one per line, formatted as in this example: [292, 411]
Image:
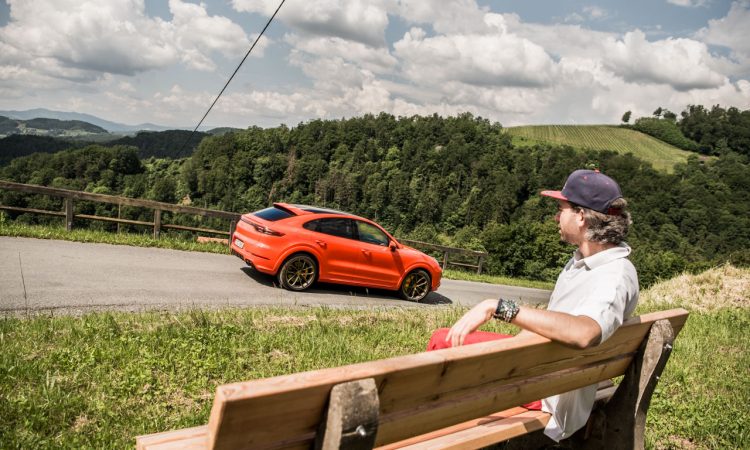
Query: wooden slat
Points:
[437, 415]
[487, 433]
[451, 385]
[113, 219]
[441, 248]
[187, 438]
[32, 210]
[605, 390]
[203, 230]
[454, 429]
[79, 195]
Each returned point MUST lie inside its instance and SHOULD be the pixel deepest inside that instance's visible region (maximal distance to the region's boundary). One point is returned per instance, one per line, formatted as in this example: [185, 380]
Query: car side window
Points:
[334, 226]
[371, 234]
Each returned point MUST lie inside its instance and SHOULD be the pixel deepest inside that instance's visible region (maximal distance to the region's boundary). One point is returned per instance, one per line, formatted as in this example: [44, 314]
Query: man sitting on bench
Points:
[595, 292]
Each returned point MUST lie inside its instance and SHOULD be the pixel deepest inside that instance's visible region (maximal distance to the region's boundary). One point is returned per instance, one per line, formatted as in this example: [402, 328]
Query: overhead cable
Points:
[233, 74]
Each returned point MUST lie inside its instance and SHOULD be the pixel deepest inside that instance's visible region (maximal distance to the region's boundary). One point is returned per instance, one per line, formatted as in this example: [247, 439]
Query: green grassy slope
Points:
[602, 137]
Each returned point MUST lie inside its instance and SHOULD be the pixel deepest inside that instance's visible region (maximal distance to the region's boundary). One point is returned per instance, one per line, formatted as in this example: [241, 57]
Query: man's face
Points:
[570, 222]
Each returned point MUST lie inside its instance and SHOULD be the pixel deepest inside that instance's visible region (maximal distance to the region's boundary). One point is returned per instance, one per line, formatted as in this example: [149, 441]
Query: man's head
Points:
[591, 207]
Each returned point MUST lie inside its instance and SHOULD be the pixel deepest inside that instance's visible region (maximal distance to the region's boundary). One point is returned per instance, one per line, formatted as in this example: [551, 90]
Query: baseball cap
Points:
[590, 189]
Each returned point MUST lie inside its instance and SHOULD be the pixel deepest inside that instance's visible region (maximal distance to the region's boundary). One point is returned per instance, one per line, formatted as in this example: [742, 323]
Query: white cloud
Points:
[356, 20]
[79, 39]
[369, 58]
[595, 12]
[500, 59]
[689, 3]
[452, 16]
[682, 63]
[111, 58]
[733, 32]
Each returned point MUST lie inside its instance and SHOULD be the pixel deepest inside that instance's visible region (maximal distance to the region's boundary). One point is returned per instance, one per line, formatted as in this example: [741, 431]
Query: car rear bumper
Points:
[250, 252]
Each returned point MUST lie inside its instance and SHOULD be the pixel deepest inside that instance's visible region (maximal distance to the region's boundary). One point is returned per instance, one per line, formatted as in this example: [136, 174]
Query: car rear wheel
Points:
[416, 285]
[298, 272]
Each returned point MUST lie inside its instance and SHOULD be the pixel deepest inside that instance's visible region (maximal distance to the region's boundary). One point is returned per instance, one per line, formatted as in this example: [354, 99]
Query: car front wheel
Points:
[415, 286]
[298, 273]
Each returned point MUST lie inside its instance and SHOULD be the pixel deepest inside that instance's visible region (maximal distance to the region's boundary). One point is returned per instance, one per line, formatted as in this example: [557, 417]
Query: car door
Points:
[335, 238]
[380, 265]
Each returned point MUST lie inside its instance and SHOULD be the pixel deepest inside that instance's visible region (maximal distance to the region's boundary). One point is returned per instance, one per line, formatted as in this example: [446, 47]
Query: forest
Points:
[451, 180]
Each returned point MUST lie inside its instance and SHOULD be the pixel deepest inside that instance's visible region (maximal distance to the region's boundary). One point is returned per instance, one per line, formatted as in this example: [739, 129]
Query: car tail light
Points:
[262, 229]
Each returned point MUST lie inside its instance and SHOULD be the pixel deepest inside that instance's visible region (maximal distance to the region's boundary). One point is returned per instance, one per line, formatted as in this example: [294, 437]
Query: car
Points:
[301, 244]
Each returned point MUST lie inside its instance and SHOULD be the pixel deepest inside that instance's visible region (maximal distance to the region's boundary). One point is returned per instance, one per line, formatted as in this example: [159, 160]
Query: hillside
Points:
[47, 127]
[162, 144]
[602, 137]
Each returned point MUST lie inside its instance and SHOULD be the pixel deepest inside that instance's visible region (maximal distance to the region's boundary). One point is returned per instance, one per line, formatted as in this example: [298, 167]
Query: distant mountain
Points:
[48, 127]
[112, 127]
[221, 131]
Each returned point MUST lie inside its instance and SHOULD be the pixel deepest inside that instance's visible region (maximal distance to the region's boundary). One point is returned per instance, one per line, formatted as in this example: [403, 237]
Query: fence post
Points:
[232, 227]
[157, 223]
[68, 213]
[445, 259]
[480, 259]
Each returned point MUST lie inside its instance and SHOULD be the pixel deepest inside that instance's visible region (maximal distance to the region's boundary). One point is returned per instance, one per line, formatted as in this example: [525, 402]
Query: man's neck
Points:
[588, 248]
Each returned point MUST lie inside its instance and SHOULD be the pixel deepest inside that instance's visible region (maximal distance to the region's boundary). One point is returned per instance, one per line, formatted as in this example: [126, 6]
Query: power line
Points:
[233, 74]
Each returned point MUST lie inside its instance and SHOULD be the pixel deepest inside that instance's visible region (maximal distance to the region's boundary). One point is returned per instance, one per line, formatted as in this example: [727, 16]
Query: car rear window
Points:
[335, 227]
[273, 214]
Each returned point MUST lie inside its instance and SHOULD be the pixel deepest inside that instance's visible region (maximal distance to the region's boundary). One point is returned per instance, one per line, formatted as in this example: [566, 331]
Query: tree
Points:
[626, 117]
[658, 112]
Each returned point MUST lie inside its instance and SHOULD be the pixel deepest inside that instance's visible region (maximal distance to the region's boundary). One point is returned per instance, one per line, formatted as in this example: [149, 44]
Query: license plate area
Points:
[239, 243]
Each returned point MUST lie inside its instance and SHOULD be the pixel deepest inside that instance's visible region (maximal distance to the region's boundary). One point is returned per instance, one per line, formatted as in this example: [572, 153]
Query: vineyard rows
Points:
[602, 137]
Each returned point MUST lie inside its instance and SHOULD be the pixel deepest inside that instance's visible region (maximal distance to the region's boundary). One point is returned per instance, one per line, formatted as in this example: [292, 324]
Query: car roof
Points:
[302, 210]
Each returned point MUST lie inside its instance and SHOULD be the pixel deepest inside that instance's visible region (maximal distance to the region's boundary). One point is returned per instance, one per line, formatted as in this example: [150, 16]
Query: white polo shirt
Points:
[604, 287]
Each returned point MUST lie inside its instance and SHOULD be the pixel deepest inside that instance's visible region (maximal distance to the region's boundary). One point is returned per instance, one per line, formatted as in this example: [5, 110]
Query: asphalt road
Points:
[40, 275]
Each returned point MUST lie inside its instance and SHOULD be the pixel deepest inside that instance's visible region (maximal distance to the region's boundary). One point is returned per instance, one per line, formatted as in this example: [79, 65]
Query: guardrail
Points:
[70, 196]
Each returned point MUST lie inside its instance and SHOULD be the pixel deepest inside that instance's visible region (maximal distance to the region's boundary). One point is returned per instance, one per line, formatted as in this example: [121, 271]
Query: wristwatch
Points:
[506, 310]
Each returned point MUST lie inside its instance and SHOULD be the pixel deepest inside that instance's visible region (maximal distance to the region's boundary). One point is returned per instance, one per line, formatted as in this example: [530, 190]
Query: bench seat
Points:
[456, 398]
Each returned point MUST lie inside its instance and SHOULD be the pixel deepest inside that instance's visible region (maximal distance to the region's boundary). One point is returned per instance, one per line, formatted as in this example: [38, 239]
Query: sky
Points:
[512, 62]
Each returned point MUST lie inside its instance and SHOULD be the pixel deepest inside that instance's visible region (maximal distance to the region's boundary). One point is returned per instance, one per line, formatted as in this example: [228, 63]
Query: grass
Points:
[602, 137]
[177, 242]
[453, 274]
[174, 242]
[98, 380]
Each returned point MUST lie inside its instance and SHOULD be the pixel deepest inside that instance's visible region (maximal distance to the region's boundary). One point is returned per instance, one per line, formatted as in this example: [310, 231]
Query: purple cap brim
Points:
[554, 194]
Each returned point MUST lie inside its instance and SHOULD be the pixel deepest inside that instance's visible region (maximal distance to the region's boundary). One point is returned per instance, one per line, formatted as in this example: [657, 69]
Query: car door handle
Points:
[321, 243]
[366, 252]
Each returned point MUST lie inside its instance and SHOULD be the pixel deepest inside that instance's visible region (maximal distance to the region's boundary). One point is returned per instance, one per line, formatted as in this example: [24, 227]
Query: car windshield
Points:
[272, 214]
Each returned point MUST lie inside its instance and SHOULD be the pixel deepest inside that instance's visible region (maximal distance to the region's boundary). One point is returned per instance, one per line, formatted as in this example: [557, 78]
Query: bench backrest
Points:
[422, 392]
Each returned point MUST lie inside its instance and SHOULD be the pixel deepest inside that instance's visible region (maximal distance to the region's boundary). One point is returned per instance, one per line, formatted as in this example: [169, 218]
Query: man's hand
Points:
[475, 318]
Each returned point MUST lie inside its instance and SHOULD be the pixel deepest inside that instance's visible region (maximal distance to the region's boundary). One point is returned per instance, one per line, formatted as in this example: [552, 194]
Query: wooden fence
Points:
[70, 196]
[479, 257]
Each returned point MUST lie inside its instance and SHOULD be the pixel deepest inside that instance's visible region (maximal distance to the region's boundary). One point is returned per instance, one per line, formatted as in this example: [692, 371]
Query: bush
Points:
[665, 130]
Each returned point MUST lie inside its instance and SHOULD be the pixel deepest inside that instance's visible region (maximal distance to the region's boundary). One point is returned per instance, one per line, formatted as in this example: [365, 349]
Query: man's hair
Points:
[607, 228]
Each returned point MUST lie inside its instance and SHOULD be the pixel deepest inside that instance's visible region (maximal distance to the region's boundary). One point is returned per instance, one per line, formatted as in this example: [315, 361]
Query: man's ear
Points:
[580, 218]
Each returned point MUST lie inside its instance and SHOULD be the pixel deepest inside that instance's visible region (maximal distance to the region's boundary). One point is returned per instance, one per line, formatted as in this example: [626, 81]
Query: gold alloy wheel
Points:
[298, 273]
[416, 286]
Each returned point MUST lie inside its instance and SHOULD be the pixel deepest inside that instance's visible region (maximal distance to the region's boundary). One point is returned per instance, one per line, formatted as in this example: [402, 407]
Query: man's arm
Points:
[575, 331]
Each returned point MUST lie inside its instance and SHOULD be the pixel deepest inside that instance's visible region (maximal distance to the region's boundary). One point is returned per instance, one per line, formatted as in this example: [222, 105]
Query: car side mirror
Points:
[393, 246]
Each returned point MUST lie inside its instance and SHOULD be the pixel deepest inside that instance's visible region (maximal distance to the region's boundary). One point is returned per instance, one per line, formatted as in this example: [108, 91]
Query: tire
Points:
[416, 285]
[298, 272]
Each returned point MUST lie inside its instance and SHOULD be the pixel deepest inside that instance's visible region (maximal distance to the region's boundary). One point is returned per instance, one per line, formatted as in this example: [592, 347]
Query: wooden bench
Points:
[463, 397]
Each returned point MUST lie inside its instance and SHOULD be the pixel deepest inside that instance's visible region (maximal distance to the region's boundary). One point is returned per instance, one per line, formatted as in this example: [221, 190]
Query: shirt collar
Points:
[601, 258]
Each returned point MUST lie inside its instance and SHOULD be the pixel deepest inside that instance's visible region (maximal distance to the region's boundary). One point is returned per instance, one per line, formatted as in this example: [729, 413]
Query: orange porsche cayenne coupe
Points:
[302, 244]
